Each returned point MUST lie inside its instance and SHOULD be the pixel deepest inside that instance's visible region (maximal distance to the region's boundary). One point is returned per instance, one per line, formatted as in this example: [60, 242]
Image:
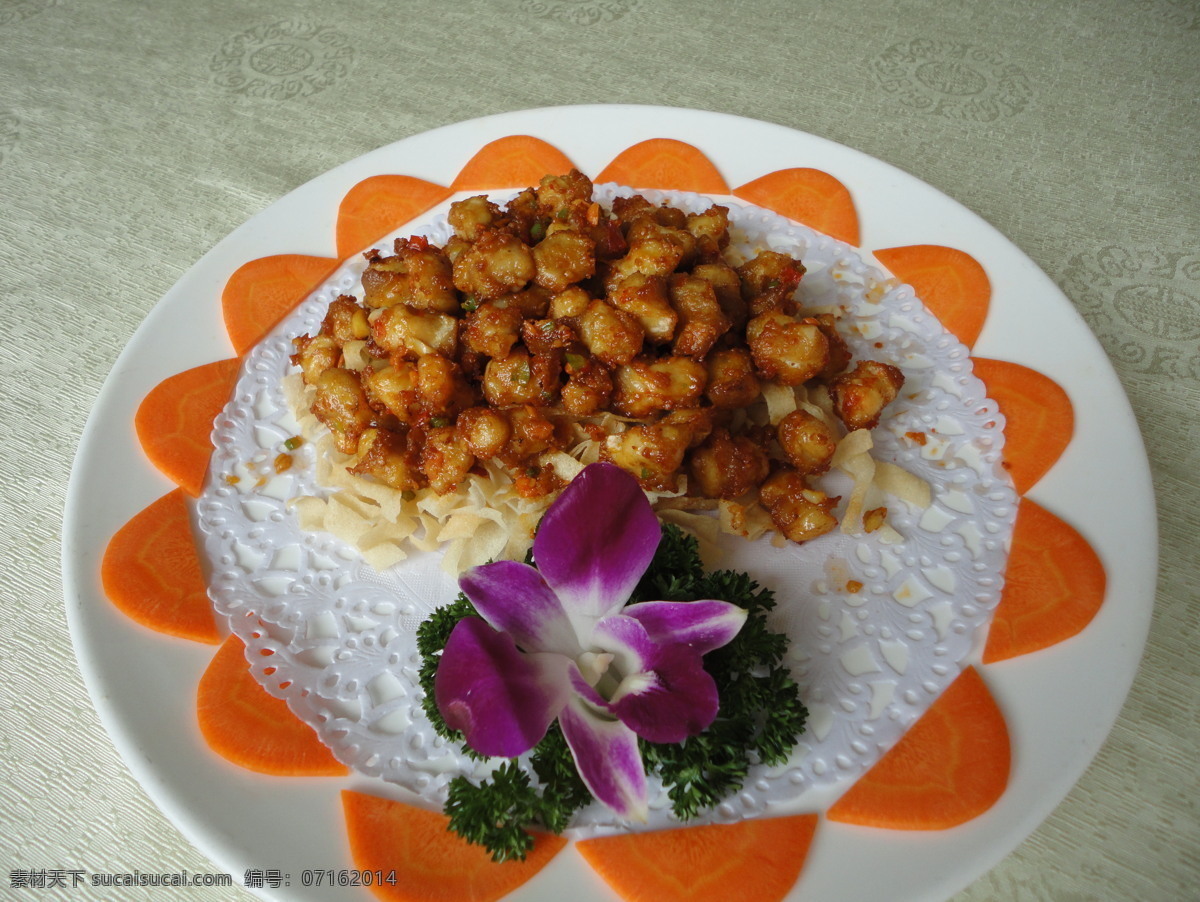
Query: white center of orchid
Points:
[593, 665]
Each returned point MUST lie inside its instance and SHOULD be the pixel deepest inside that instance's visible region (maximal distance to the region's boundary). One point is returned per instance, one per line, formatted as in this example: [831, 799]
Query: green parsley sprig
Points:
[760, 719]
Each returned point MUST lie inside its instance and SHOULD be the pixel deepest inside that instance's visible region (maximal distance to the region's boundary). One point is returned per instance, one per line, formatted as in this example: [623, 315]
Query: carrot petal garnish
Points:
[756, 860]
[245, 724]
[512, 162]
[430, 862]
[379, 205]
[1039, 418]
[667, 164]
[951, 766]
[1053, 586]
[262, 292]
[951, 282]
[151, 572]
[174, 421]
[808, 196]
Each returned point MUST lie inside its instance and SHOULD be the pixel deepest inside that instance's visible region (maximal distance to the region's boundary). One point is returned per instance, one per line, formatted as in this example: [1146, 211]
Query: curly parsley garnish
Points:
[761, 716]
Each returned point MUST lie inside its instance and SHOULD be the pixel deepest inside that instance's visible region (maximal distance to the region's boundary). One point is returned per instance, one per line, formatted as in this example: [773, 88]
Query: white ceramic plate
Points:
[1059, 703]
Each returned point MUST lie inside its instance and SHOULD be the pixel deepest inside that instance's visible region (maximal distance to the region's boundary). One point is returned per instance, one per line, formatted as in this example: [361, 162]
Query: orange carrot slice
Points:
[667, 164]
[951, 282]
[262, 292]
[245, 724]
[151, 572]
[517, 161]
[431, 863]
[810, 196]
[379, 205]
[1053, 586]
[174, 421]
[951, 766]
[1039, 418]
[751, 861]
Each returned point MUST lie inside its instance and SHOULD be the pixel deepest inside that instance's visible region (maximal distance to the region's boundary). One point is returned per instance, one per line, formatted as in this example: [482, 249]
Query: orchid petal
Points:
[503, 701]
[608, 760]
[596, 541]
[628, 641]
[514, 598]
[704, 625]
[675, 700]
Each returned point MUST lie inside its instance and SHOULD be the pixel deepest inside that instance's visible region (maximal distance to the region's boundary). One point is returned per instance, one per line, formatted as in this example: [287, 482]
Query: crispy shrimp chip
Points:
[853, 457]
[565, 466]
[751, 521]
[355, 355]
[384, 555]
[706, 528]
[862, 470]
[348, 518]
[310, 513]
[461, 525]
[853, 444]
[781, 400]
[904, 485]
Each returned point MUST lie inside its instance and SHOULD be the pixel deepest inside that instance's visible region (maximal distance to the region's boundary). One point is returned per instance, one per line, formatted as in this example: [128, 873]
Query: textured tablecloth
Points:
[134, 135]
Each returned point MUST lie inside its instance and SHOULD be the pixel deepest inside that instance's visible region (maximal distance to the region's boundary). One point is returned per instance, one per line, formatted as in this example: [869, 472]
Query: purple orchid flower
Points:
[559, 642]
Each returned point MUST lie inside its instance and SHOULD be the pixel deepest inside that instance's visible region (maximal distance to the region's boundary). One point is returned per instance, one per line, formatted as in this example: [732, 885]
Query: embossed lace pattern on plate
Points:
[878, 630]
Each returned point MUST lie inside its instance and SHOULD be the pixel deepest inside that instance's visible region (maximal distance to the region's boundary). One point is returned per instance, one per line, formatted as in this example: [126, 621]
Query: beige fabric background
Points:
[134, 135]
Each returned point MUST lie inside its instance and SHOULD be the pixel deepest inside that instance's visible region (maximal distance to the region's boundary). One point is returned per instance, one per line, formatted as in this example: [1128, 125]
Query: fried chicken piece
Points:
[645, 386]
[769, 281]
[402, 331]
[445, 459]
[652, 452]
[589, 386]
[492, 328]
[385, 456]
[484, 431]
[787, 350]
[807, 441]
[727, 466]
[419, 275]
[860, 395]
[701, 319]
[731, 379]
[646, 299]
[473, 216]
[611, 335]
[798, 511]
[521, 378]
[498, 263]
[562, 259]
[342, 405]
